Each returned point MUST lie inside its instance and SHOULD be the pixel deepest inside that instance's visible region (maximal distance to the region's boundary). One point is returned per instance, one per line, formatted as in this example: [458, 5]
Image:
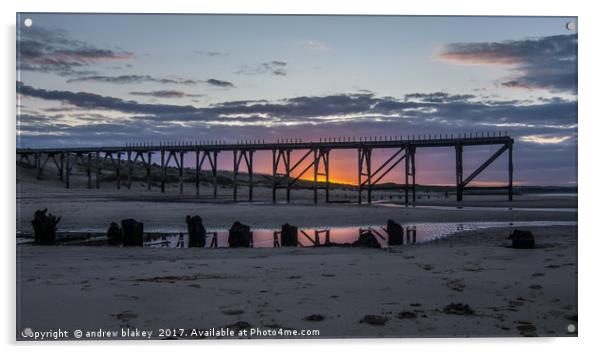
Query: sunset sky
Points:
[90, 80]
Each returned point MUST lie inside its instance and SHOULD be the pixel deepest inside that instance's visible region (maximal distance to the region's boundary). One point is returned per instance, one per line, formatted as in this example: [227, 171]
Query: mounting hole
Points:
[28, 22]
[571, 26]
[571, 328]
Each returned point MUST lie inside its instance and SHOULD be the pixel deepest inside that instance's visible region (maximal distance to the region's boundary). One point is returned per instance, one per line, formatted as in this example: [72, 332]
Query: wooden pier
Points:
[285, 172]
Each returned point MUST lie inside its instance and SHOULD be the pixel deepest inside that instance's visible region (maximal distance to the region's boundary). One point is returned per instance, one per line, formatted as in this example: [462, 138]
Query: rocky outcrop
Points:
[522, 239]
[395, 232]
[240, 235]
[196, 231]
[44, 227]
[366, 239]
[288, 237]
[132, 232]
[114, 235]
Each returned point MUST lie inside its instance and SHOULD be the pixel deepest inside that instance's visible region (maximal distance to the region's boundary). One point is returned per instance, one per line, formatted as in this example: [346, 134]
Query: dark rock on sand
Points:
[314, 318]
[44, 227]
[133, 232]
[395, 232]
[458, 309]
[522, 239]
[406, 315]
[366, 239]
[240, 325]
[196, 231]
[240, 235]
[114, 234]
[375, 320]
[288, 237]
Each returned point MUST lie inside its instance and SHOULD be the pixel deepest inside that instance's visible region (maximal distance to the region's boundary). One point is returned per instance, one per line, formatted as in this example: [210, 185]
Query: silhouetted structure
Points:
[395, 232]
[289, 236]
[114, 234]
[522, 239]
[44, 227]
[285, 172]
[132, 232]
[196, 231]
[240, 235]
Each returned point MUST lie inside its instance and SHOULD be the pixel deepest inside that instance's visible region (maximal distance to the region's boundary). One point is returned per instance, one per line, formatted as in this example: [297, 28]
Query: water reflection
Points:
[307, 237]
[312, 237]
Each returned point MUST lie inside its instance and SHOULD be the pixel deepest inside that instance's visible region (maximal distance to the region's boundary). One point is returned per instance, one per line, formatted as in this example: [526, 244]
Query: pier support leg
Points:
[360, 167]
[197, 171]
[214, 174]
[250, 168]
[149, 165]
[413, 167]
[287, 166]
[118, 170]
[89, 170]
[163, 171]
[368, 158]
[407, 178]
[510, 172]
[327, 173]
[459, 172]
[129, 169]
[274, 170]
[62, 165]
[316, 167]
[181, 168]
[67, 170]
[235, 174]
[97, 168]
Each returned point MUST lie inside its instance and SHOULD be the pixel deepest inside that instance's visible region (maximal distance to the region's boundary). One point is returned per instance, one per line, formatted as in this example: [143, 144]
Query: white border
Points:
[589, 163]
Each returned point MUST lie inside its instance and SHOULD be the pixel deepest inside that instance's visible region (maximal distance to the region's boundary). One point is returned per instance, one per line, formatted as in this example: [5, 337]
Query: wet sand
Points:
[83, 208]
[512, 292]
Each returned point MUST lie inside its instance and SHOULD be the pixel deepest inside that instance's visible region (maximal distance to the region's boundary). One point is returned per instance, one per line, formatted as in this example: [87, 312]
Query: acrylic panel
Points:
[276, 176]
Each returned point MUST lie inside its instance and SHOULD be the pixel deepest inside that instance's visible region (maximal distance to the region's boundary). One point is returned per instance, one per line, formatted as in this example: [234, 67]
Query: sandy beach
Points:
[402, 291]
[512, 292]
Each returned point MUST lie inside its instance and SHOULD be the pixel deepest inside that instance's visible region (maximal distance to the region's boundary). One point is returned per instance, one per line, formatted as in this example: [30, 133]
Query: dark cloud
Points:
[220, 83]
[137, 79]
[94, 101]
[52, 50]
[133, 79]
[430, 112]
[274, 67]
[546, 62]
[211, 53]
[164, 94]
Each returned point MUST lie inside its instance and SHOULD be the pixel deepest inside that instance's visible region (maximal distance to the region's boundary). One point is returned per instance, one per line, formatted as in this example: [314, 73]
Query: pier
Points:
[285, 171]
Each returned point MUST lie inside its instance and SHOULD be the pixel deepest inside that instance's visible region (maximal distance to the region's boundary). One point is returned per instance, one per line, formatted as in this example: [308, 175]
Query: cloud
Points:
[219, 83]
[136, 79]
[164, 94]
[316, 45]
[432, 112]
[133, 79]
[274, 67]
[52, 50]
[211, 53]
[543, 63]
[545, 139]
